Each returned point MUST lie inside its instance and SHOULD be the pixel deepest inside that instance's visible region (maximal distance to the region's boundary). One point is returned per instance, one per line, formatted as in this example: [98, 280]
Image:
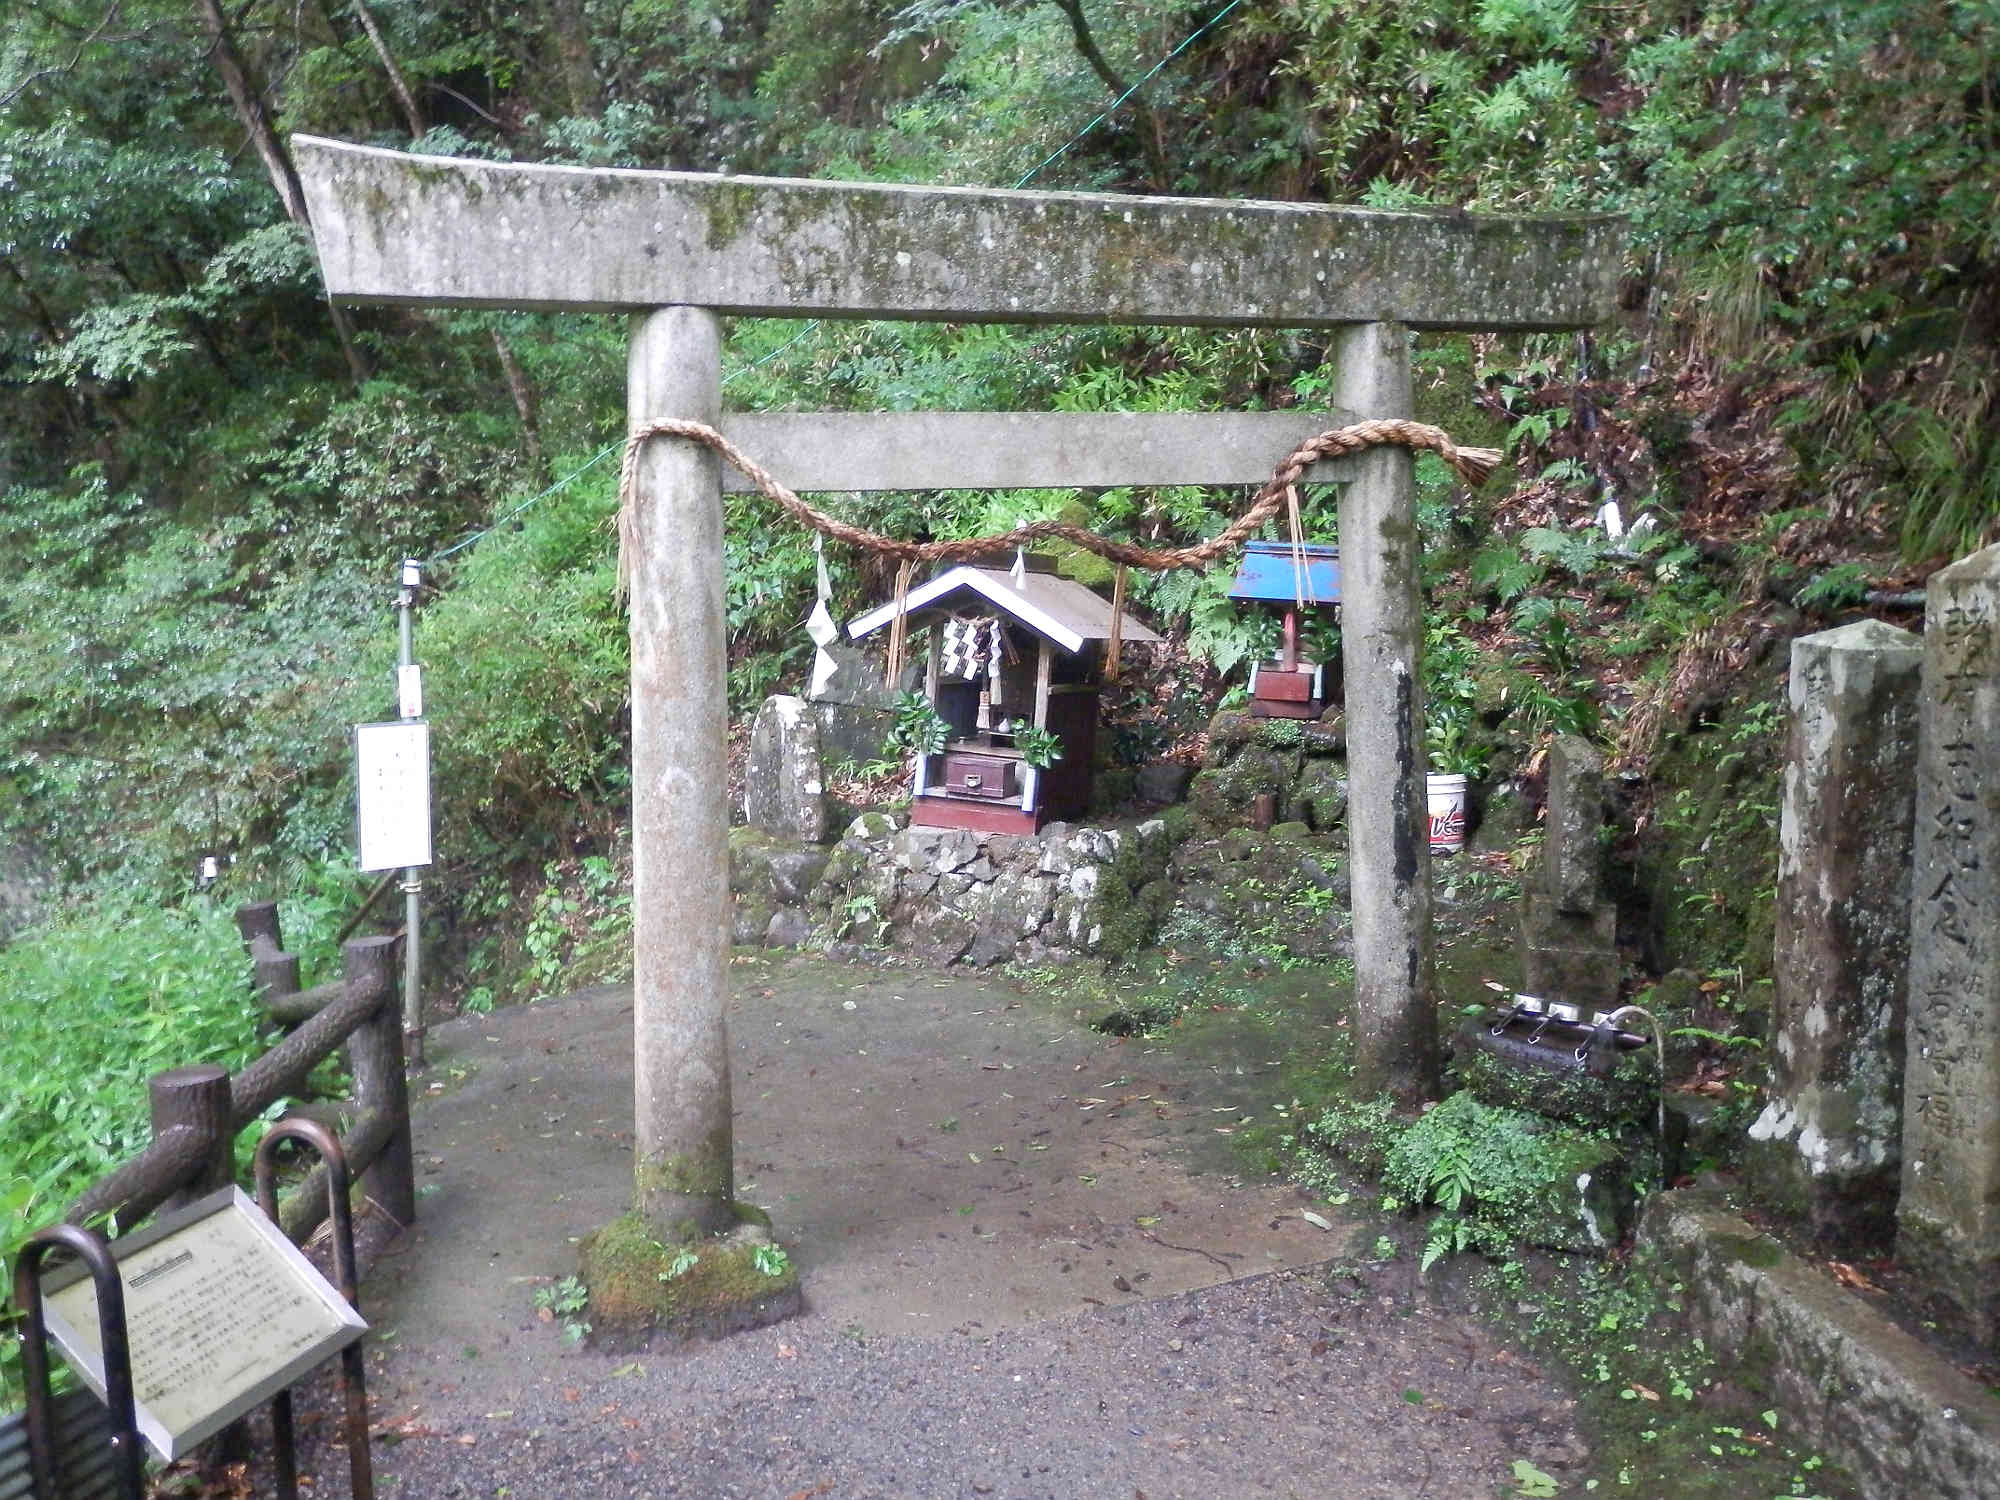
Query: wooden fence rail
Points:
[198, 1111]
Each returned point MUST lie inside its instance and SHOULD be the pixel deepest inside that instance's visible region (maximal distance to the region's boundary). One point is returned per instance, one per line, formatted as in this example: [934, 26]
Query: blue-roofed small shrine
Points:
[1300, 576]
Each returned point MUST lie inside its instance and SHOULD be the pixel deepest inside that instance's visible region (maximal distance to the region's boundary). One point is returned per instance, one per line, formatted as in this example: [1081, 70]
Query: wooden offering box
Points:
[982, 771]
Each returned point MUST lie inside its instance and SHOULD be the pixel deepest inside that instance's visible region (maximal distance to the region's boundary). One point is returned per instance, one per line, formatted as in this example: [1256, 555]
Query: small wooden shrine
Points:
[1010, 649]
[1300, 577]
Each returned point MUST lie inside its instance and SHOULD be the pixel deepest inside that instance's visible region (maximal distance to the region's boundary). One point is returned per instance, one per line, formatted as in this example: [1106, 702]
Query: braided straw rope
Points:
[1472, 465]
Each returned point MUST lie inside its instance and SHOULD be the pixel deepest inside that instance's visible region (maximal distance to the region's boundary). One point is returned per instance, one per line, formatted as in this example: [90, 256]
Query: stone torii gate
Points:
[680, 251]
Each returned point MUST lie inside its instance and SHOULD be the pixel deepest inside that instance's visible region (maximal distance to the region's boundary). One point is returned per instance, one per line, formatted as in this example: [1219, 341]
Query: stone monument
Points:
[784, 788]
[1569, 932]
[1948, 1221]
[1829, 1142]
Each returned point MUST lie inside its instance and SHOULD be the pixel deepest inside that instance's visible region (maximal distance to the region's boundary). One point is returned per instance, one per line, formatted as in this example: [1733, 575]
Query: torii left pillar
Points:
[680, 827]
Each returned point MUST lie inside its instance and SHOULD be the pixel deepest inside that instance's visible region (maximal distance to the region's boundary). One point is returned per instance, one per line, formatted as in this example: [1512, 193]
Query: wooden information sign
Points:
[222, 1310]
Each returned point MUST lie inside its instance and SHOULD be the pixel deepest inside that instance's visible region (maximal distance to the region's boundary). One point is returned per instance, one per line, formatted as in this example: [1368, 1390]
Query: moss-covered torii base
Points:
[645, 1290]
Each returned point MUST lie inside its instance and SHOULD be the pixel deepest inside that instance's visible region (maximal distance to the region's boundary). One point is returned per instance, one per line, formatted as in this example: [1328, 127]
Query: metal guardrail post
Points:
[111, 1339]
[353, 1365]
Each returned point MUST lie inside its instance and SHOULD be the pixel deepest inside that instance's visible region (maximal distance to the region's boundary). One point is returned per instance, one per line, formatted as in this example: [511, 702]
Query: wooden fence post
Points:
[276, 971]
[196, 1099]
[375, 1053]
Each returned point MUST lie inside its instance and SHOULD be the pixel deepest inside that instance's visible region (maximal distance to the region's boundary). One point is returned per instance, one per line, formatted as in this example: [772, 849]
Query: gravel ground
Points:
[1272, 1385]
[1028, 1270]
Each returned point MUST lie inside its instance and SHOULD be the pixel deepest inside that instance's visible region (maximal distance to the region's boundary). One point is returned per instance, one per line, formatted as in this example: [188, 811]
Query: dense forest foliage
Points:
[208, 475]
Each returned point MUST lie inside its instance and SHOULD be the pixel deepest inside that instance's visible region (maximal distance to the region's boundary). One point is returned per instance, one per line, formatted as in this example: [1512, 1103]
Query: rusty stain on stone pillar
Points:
[680, 812]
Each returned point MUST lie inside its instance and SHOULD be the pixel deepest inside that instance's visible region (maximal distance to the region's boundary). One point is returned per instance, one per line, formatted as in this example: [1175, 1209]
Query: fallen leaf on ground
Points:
[1847, 1276]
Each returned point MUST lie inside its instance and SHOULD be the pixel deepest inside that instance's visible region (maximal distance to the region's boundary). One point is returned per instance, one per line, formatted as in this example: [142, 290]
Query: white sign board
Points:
[222, 1312]
[392, 780]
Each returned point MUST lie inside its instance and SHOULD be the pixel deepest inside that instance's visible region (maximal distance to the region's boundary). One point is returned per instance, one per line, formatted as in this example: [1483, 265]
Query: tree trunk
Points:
[250, 110]
[398, 84]
[566, 20]
[525, 405]
[277, 161]
[1152, 130]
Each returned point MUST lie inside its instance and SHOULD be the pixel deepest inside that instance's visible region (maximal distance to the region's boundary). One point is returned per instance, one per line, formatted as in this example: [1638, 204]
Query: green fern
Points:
[1502, 570]
[1577, 553]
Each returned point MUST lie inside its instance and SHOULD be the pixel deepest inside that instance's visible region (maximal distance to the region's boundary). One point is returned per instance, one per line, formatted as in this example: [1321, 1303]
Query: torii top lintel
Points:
[397, 228]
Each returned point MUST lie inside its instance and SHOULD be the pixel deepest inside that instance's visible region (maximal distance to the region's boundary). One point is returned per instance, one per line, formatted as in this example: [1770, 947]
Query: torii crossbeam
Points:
[681, 250]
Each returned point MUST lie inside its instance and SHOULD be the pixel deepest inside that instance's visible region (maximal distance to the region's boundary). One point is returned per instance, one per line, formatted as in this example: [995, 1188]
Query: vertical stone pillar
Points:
[1569, 932]
[1948, 1222]
[1830, 1141]
[1388, 816]
[680, 799]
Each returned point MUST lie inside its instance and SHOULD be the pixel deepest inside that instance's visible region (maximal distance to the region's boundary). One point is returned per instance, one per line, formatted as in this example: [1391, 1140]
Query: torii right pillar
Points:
[1382, 622]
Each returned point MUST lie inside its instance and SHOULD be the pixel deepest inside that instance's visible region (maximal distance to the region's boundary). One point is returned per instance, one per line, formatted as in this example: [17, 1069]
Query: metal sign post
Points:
[393, 803]
[410, 704]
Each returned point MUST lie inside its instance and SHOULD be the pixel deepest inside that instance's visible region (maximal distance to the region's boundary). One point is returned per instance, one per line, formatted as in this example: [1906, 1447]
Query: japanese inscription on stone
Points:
[1954, 951]
[221, 1312]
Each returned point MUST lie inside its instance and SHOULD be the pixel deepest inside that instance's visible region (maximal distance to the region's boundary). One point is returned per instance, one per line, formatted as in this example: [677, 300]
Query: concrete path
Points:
[1031, 1268]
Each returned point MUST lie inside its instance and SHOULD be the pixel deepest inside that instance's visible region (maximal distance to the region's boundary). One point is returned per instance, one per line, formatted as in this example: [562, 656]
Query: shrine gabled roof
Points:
[1059, 609]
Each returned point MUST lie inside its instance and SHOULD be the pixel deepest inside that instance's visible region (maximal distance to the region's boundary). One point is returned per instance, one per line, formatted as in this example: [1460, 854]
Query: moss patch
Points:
[671, 1184]
[642, 1289]
[1630, 1096]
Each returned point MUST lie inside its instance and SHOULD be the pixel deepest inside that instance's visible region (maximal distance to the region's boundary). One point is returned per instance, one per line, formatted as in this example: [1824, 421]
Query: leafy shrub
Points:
[1039, 748]
[918, 727]
[90, 1008]
[1488, 1168]
[1839, 587]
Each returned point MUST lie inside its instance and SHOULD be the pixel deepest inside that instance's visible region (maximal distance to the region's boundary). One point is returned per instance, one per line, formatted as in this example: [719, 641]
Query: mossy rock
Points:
[1228, 733]
[1111, 788]
[1236, 845]
[750, 851]
[1127, 923]
[1328, 871]
[1221, 797]
[1324, 737]
[642, 1290]
[749, 918]
[878, 824]
[1359, 1132]
[1280, 734]
[1319, 796]
[1506, 816]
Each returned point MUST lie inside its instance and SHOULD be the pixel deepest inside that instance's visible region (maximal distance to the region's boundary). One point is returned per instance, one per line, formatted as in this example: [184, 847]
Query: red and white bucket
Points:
[1447, 799]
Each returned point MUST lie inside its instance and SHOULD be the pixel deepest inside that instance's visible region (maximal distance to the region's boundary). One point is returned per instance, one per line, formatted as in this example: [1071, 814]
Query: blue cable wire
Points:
[567, 479]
